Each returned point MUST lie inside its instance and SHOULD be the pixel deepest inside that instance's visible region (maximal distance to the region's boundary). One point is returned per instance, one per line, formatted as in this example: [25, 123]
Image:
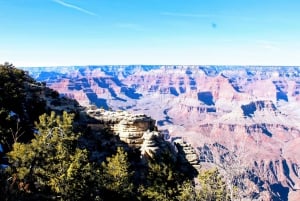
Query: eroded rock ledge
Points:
[139, 131]
[129, 127]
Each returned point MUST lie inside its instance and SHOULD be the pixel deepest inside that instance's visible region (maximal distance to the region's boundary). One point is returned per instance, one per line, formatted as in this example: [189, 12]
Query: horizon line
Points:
[210, 65]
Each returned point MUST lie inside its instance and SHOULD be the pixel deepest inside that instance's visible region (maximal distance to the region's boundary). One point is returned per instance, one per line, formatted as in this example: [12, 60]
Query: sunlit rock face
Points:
[258, 107]
[129, 127]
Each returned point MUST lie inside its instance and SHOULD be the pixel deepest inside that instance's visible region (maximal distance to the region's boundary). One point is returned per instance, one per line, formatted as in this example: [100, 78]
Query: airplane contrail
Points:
[74, 7]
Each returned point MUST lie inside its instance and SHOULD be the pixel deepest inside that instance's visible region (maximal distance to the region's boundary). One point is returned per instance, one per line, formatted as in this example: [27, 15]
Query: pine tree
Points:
[187, 192]
[12, 93]
[116, 177]
[212, 186]
[19, 106]
[162, 179]
[52, 164]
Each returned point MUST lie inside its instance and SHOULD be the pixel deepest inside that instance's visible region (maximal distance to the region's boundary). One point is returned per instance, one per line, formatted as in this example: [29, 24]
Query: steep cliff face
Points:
[256, 105]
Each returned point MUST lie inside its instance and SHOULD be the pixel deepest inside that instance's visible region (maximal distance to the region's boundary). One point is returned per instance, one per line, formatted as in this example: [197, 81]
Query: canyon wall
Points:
[256, 108]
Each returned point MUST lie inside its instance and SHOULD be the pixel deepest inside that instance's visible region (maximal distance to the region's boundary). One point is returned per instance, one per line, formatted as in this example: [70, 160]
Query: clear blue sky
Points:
[83, 32]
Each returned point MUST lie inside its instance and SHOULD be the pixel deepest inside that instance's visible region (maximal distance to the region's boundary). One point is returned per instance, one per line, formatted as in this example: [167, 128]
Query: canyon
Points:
[251, 112]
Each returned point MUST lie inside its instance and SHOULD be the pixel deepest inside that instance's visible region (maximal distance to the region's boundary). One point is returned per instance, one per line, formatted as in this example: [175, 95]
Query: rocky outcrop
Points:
[139, 131]
[129, 127]
[186, 153]
[154, 144]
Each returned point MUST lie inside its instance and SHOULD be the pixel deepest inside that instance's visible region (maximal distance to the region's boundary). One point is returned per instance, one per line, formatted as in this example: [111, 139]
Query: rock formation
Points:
[139, 131]
[129, 127]
[186, 152]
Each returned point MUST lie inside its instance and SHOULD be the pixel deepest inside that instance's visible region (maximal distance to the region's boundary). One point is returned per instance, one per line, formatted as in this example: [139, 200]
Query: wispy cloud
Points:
[187, 15]
[68, 5]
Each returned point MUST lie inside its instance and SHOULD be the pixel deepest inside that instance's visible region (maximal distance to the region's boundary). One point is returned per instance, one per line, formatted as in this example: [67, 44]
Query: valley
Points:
[252, 112]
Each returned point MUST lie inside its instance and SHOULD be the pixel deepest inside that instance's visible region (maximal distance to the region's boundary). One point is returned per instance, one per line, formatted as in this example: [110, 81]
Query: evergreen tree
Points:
[52, 164]
[116, 177]
[12, 93]
[19, 107]
[162, 179]
[187, 192]
[212, 186]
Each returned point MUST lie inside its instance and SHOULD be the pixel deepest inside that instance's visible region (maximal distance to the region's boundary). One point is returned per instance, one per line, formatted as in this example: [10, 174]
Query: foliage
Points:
[11, 96]
[116, 177]
[212, 186]
[187, 192]
[53, 167]
[52, 164]
[11, 87]
[162, 179]
[18, 106]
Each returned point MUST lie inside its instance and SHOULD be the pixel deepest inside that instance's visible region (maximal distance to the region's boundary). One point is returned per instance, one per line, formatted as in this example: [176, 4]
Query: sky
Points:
[162, 32]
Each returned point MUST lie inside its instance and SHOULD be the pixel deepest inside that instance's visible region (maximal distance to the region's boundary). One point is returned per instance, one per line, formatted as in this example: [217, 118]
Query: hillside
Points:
[55, 149]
